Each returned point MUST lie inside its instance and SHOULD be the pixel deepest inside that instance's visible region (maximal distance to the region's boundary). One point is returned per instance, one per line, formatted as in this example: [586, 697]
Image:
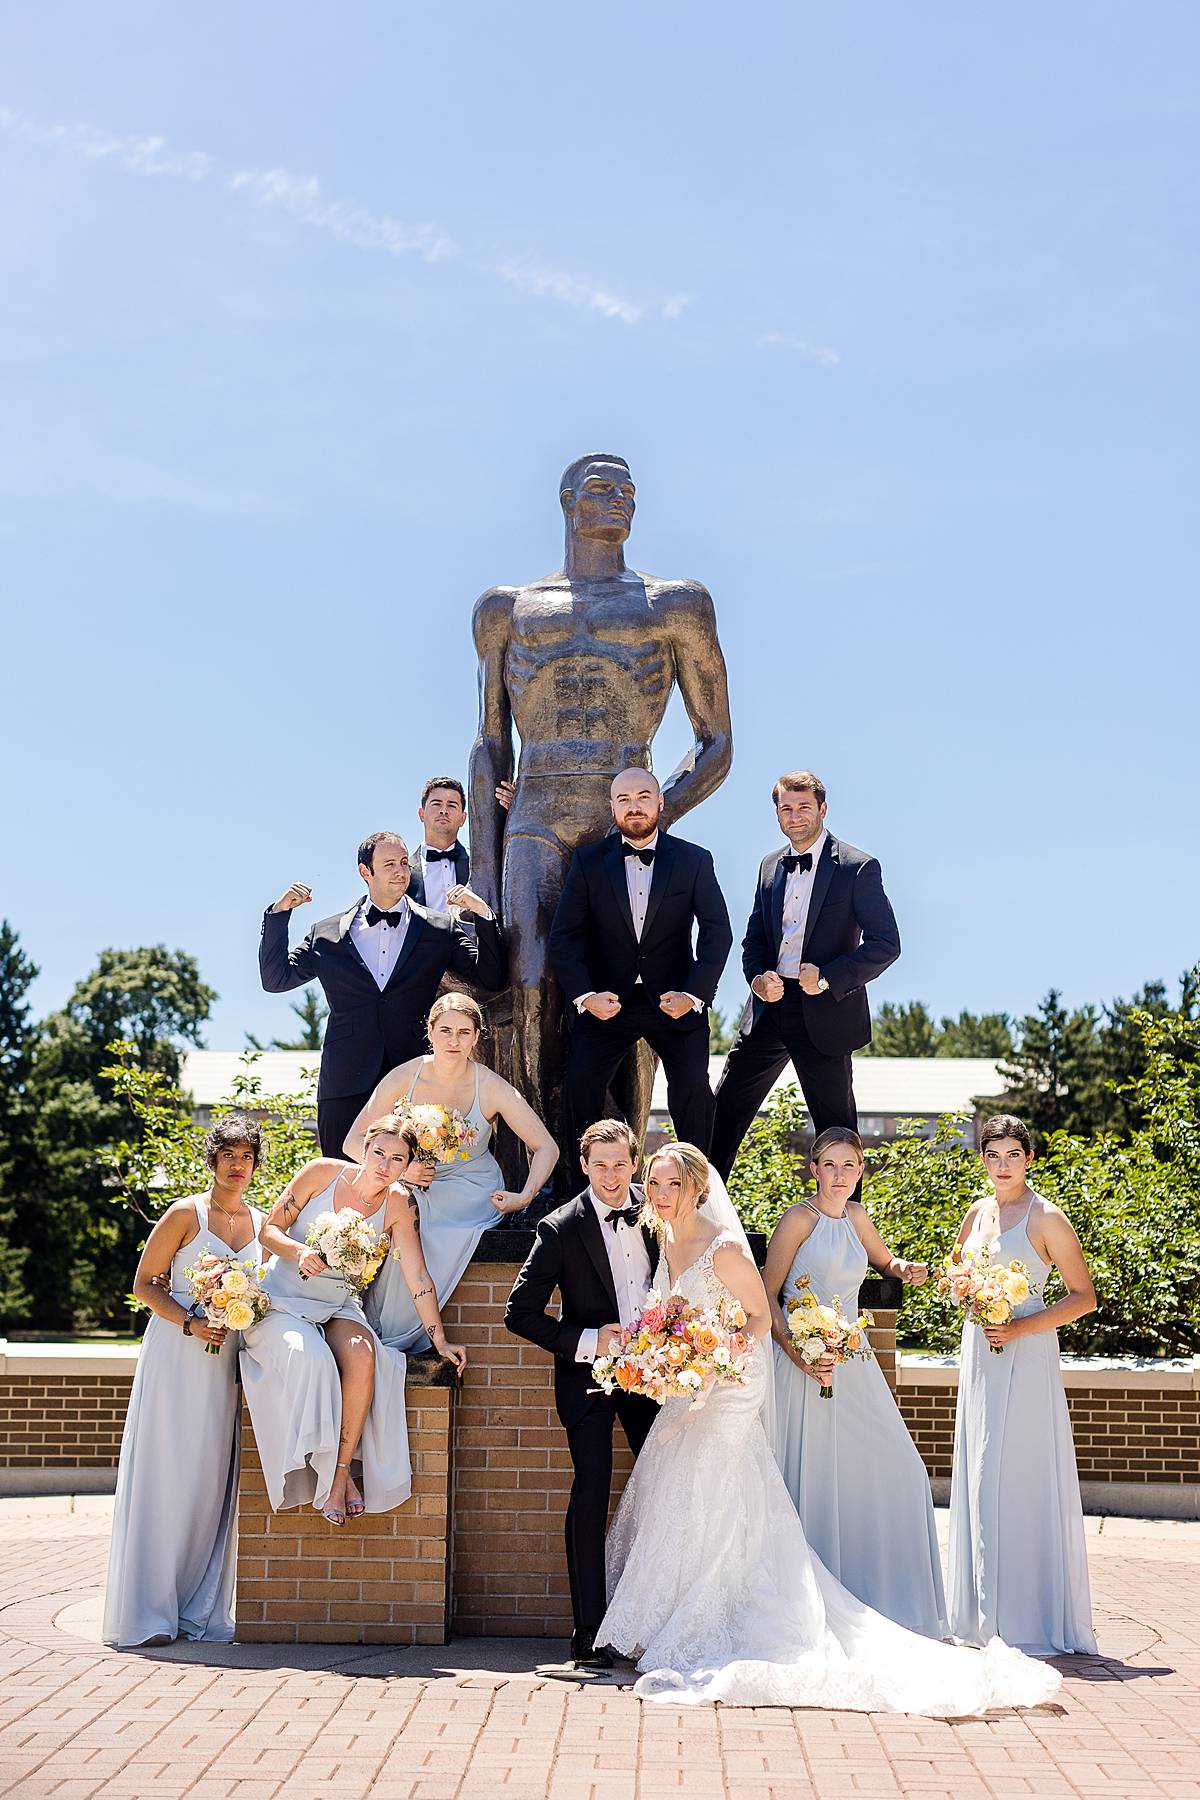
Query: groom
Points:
[594, 1252]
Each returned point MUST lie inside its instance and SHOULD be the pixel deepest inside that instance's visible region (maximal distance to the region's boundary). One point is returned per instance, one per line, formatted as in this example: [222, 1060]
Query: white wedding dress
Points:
[714, 1590]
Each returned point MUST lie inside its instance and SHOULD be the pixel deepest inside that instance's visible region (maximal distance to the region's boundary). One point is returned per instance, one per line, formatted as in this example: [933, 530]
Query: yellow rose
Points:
[1018, 1289]
[235, 1282]
[1018, 1268]
[220, 1300]
[239, 1315]
[999, 1312]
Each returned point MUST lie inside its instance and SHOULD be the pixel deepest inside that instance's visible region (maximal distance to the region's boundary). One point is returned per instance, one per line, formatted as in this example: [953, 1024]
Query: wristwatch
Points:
[187, 1324]
[822, 986]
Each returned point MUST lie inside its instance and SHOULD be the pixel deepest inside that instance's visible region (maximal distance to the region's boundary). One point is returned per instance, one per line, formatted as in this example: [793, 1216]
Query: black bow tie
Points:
[622, 1215]
[797, 860]
[441, 855]
[646, 856]
[374, 916]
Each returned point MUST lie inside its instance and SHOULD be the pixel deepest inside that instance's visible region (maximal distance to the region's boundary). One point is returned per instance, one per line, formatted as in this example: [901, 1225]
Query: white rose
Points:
[813, 1349]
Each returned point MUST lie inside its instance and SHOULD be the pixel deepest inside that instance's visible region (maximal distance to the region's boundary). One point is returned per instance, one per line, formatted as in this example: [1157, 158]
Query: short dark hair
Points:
[366, 850]
[837, 1134]
[800, 781]
[1003, 1125]
[236, 1128]
[446, 781]
[608, 1131]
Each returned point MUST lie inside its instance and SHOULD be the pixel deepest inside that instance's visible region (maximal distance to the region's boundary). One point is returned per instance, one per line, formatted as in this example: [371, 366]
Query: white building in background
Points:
[887, 1088]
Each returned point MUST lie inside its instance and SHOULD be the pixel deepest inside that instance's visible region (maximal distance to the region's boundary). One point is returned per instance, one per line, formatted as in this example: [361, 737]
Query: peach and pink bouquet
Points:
[818, 1331]
[677, 1351]
[346, 1242]
[227, 1291]
[988, 1292]
[443, 1134]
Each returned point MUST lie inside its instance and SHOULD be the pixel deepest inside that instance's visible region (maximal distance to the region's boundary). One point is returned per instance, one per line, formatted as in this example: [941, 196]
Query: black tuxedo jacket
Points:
[569, 1255]
[371, 1029]
[850, 935]
[462, 872]
[592, 942]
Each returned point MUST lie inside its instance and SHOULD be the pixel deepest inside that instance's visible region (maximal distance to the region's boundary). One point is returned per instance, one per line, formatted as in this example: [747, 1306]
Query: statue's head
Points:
[597, 495]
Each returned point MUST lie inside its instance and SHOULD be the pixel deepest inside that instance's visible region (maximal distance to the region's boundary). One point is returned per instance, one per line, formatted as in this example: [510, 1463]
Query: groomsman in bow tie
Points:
[820, 928]
[441, 862]
[379, 964]
[621, 944]
[598, 1257]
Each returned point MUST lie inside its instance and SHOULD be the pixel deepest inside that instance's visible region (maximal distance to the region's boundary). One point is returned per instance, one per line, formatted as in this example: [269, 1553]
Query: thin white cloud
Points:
[346, 220]
[676, 306]
[140, 155]
[782, 340]
[570, 289]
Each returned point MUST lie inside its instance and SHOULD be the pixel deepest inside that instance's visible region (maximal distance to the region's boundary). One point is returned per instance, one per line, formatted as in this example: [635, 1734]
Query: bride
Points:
[713, 1589]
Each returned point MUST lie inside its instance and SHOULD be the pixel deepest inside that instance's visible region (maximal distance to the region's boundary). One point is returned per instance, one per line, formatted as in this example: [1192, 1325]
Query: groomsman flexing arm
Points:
[600, 1260]
[441, 862]
[379, 964]
[820, 928]
[621, 944]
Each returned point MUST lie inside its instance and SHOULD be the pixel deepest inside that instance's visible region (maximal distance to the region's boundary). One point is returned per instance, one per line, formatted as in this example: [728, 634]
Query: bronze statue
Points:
[582, 663]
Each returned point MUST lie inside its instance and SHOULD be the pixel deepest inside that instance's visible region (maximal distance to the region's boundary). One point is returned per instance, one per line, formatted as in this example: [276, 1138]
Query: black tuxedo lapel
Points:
[653, 1250]
[778, 896]
[822, 876]
[614, 868]
[593, 1243]
[664, 857]
[462, 864]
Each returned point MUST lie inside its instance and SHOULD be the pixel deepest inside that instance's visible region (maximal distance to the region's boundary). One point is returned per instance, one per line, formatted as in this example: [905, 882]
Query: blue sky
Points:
[893, 312]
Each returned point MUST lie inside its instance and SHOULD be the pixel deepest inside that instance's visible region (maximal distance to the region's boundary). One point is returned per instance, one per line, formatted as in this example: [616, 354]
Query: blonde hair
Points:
[455, 1001]
[691, 1166]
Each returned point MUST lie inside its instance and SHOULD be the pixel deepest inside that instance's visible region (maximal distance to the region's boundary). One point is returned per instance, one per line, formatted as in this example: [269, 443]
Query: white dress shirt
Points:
[379, 944]
[638, 876]
[629, 1261]
[797, 897]
[440, 877]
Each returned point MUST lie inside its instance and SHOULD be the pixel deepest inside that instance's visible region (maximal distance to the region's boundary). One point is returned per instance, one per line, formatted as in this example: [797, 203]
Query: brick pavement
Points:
[482, 1720]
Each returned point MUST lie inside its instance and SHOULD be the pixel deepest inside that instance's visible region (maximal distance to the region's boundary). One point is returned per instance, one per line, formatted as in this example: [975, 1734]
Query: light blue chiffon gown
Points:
[1018, 1556]
[294, 1392]
[455, 1209]
[854, 1474]
[173, 1549]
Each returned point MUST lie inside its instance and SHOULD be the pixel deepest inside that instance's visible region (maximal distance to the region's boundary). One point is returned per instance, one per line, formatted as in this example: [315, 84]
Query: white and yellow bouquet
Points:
[818, 1331]
[227, 1291]
[346, 1242]
[443, 1134]
[987, 1291]
[677, 1351]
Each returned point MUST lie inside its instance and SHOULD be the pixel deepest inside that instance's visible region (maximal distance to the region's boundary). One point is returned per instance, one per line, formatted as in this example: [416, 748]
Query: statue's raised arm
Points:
[492, 751]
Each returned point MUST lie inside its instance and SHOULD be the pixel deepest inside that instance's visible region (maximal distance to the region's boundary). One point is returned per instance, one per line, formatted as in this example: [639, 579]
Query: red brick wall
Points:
[1121, 1434]
[62, 1421]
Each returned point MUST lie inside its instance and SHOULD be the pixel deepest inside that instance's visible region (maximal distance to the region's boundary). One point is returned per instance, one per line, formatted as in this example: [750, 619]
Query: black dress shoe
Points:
[586, 1655]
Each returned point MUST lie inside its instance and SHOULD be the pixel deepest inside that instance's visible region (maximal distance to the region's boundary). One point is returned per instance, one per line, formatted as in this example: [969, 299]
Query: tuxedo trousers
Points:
[598, 1047]
[590, 1441]
[755, 1062]
[336, 1116]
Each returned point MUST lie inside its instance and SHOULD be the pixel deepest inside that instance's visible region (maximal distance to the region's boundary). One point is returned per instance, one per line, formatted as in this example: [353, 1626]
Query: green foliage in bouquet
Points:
[1134, 1200]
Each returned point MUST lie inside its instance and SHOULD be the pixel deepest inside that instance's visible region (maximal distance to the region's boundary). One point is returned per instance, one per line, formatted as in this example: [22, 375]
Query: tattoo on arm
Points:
[416, 1212]
[422, 1292]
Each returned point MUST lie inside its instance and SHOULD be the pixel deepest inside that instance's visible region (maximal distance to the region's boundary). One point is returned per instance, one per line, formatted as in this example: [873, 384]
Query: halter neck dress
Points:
[1018, 1555]
[173, 1548]
[455, 1210]
[294, 1391]
[853, 1471]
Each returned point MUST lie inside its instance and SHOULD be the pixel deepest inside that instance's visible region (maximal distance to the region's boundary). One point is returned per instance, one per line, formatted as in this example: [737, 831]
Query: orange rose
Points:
[677, 1353]
[626, 1376]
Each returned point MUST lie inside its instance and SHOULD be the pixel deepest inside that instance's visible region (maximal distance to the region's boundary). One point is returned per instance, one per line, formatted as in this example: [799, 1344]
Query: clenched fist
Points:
[297, 895]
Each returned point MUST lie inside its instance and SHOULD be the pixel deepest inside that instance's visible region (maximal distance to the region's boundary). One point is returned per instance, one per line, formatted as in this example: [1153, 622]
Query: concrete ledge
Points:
[1118, 1499]
[18, 1360]
[1154, 1374]
[68, 1480]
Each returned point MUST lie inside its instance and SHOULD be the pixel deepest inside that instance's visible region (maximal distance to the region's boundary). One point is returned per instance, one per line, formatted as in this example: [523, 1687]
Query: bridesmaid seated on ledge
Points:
[463, 1198]
[323, 1392]
[1018, 1556]
[855, 1476]
[170, 1565]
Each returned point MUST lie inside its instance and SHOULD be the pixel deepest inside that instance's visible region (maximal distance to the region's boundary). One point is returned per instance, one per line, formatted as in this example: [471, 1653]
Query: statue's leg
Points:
[534, 870]
[633, 1087]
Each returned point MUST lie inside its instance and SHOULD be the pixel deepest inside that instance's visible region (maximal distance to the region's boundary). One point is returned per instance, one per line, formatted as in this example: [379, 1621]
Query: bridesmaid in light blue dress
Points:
[171, 1559]
[854, 1474]
[1018, 1555]
[324, 1393]
[460, 1199]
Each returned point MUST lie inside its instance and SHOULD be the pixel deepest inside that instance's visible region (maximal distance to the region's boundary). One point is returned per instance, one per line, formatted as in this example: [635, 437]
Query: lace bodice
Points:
[699, 1284]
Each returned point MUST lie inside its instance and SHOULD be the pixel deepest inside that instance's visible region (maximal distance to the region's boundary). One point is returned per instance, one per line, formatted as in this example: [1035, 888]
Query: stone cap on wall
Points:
[920, 1368]
[17, 1360]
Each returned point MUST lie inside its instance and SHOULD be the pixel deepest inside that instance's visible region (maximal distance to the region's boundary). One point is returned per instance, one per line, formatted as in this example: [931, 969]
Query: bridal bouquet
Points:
[677, 1351]
[346, 1242]
[443, 1134]
[987, 1292]
[227, 1291]
[818, 1331]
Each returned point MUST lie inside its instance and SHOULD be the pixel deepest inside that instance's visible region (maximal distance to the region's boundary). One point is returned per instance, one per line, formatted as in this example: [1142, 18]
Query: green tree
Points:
[1055, 1075]
[312, 1013]
[976, 1034]
[904, 1030]
[81, 1246]
[721, 1032]
[17, 1038]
